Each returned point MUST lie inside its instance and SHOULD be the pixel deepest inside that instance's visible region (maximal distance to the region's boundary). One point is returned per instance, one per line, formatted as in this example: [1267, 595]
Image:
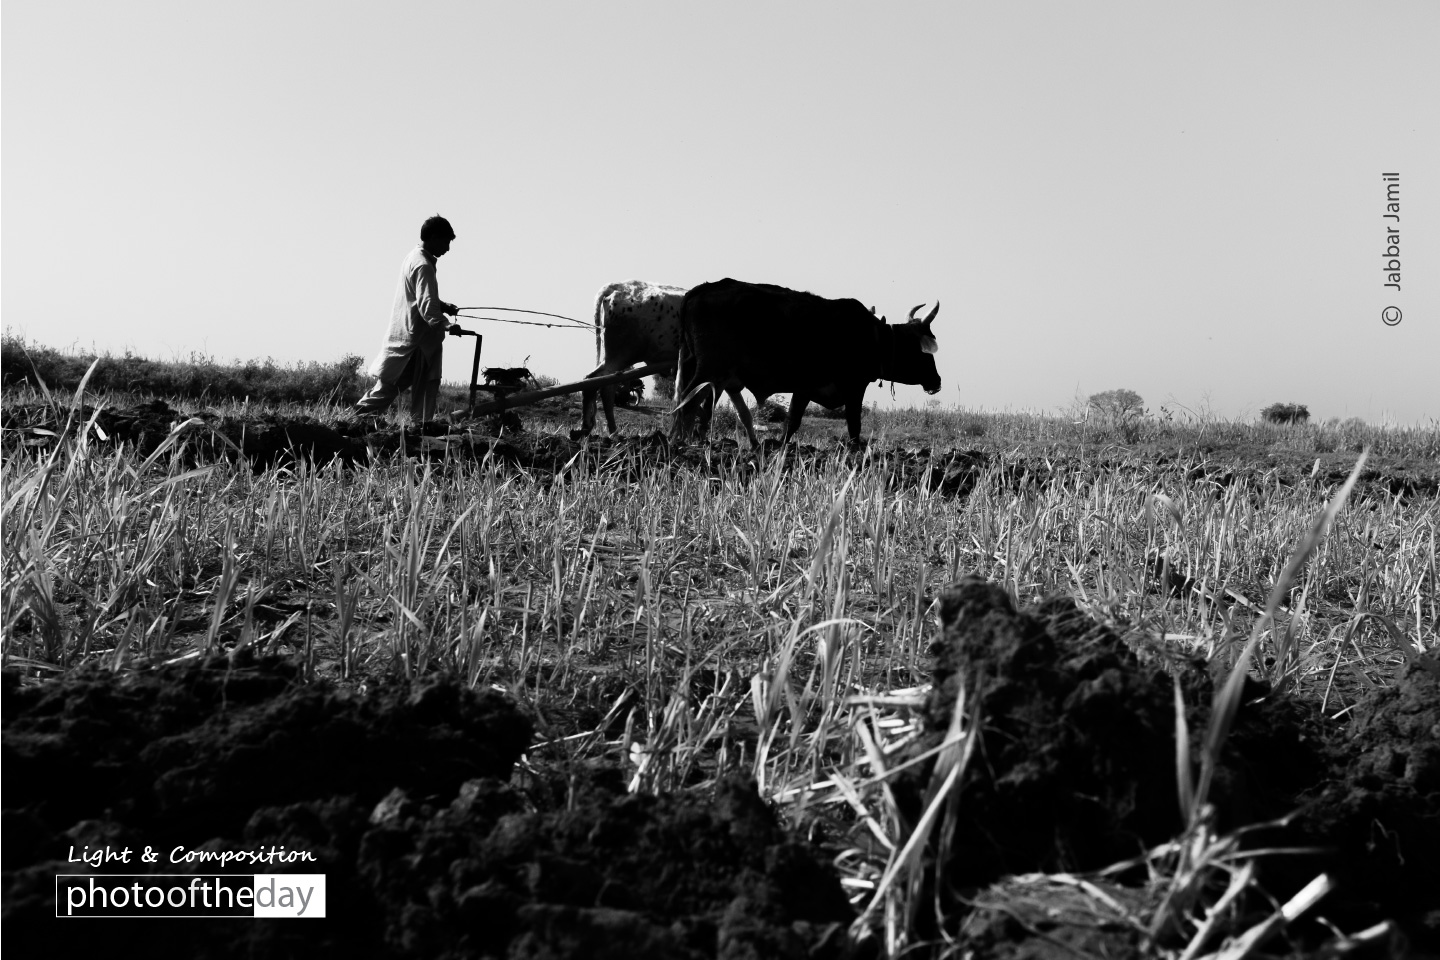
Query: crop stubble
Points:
[679, 617]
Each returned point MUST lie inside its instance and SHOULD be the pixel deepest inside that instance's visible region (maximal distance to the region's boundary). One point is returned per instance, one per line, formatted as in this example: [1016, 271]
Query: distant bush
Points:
[1350, 425]
[664, 387]
[723, 421]
[824, 413]
[1121, 410]
[1117, 406]
[199, 377]
[772, 412]
[1285, 413]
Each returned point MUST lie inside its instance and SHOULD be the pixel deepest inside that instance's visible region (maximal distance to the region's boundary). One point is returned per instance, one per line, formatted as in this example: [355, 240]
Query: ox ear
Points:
[873, 313]
[928, 344]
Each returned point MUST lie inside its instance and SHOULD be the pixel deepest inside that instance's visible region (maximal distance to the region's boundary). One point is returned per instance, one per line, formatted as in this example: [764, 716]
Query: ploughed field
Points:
[988, 685]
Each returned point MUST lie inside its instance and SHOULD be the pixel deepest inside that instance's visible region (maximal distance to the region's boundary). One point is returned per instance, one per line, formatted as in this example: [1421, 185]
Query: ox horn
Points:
[914, 310]
[932, 312]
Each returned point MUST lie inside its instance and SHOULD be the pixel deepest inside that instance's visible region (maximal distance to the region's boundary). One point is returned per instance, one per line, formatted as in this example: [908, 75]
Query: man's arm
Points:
[427, 299]
[454, 311]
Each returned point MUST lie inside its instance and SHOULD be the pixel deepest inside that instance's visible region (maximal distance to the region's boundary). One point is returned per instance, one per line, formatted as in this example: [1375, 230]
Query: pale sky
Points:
[1185, 201]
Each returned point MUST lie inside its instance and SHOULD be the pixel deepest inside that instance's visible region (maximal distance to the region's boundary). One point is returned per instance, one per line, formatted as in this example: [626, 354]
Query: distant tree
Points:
[665, 387]
[1285, 413]
[772, 412]
[1118, 406]
[1120, 410]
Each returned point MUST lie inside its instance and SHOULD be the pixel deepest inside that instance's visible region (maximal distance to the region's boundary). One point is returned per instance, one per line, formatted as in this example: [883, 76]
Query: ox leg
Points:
[742, 410]
[798, 403]
[587, 408]
[607, 396]
[853, 408]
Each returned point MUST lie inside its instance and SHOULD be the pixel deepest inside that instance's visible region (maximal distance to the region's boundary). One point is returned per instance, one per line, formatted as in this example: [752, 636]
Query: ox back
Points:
[768, 340]
[635, 322]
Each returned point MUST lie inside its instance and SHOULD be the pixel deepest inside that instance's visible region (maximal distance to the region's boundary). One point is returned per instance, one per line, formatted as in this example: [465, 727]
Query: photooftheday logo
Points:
[188, 895]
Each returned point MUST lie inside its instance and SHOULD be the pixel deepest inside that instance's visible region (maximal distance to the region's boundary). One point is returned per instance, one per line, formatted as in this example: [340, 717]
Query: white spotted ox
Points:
[635, 322]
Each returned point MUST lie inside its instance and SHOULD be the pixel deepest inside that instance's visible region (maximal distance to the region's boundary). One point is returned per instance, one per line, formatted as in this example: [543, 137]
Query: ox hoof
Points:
[579, 434]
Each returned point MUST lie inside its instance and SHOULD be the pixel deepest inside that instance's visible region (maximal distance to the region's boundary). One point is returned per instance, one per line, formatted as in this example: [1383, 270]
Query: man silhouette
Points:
[411, 352]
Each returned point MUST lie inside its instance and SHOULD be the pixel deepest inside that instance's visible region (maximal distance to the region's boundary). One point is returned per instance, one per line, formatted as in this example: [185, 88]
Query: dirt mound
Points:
[1379, 812]
[265, 441]
[272, 440]
[1076, 764]
[403, 796]
[1075, 768]
[269, 440]
[616, 876]
[522, 437]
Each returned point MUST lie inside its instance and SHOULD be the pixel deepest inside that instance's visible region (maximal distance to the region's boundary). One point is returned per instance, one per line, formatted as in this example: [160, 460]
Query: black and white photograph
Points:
[844, 480]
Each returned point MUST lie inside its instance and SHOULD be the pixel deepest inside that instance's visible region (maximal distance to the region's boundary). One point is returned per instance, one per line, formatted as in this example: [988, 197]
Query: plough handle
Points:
[474, 366]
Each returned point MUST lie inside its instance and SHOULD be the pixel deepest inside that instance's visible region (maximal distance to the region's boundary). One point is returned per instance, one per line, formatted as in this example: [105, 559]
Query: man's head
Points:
[435, 235]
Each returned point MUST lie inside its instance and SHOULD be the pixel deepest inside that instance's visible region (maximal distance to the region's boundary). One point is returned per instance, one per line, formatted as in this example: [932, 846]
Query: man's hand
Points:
[456, 330]
[451, 309]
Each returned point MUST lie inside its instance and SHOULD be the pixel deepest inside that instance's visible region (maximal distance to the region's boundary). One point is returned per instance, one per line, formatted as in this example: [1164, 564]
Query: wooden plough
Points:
[506, 399]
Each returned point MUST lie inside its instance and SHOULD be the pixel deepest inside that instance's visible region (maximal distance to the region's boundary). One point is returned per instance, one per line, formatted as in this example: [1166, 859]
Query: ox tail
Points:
[681, 419]
[600, 318]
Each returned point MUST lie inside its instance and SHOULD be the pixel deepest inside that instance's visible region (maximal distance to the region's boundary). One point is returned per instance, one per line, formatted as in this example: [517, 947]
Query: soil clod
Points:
[1075, 770]
[403, 797]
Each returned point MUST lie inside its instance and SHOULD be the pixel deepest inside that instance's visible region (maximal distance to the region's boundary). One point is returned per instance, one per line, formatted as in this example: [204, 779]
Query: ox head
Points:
[914, 352]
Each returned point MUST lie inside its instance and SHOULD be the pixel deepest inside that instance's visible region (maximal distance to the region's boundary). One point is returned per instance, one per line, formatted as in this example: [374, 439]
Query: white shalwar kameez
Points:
[411, 353]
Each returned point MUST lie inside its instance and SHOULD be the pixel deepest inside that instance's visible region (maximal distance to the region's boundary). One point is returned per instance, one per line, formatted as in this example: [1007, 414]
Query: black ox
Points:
[768, 340]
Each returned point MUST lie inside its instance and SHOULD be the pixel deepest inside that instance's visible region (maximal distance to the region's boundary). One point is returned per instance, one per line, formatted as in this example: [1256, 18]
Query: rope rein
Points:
[527, 323]
[571, 323]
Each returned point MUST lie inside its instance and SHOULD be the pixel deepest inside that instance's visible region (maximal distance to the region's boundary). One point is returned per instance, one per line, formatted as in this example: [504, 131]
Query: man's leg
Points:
[377, 400]
[383, 394]
[432, 399]
[425, 389]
